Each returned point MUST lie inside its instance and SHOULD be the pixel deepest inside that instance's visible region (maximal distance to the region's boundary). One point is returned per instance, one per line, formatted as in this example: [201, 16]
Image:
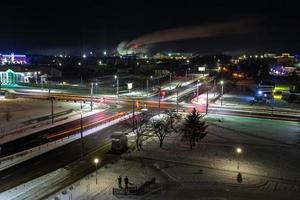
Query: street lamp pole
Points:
[206, 102]
[147, 87]
[81, 132]
[239, 151]
[159, 91]
[133, 115]
[96, 161]
[170, 80]
[52, 110]
[197, 91]
[116, 77]
[177, 106]
[222, 91]
[92, 91]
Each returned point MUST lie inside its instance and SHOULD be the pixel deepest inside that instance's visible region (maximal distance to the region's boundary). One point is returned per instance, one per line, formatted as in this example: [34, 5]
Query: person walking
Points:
[126, 182]
[120, 181]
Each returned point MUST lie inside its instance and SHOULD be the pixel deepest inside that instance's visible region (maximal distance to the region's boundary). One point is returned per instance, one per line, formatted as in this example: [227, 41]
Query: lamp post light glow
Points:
[116, 77]
[96, 161]
[238, 151]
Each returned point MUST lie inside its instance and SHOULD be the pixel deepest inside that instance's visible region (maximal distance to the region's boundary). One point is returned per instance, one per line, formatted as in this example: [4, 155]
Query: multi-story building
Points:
[13, 59]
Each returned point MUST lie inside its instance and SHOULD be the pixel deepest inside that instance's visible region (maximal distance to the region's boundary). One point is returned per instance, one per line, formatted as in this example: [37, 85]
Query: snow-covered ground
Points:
[269, 163]
[15, 112]
[87, 188]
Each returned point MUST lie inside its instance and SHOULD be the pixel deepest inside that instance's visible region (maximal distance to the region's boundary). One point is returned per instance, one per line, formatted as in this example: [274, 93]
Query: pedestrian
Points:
[120, 181]
[126, 182]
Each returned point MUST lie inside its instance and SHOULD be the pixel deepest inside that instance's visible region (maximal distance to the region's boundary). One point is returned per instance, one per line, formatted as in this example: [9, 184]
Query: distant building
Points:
[177, 56]
[19, 74]
[13, 59]
[286, 59]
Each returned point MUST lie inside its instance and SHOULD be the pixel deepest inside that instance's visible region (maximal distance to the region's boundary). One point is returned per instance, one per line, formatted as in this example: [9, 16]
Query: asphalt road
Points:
[54, 159]
[57, 132]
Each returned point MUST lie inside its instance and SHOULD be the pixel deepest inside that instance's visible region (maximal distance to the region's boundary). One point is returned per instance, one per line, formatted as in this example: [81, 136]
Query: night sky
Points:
[78, 26]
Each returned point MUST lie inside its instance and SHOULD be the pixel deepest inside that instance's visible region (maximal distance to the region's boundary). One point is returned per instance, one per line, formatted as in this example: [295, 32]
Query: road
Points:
[58, 132]
[55, 159]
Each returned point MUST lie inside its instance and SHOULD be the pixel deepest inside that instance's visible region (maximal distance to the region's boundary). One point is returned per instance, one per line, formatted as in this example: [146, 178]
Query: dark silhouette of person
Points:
[126, 182]
[120, 181]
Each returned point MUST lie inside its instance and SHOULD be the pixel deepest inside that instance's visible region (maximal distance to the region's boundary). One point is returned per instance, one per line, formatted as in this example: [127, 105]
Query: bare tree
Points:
[142, 128]
[160, 128]
[173, 117]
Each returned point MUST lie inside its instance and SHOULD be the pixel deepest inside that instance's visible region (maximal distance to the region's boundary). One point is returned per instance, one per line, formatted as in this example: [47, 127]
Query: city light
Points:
[84, 56]
[238, 150]
[260, 92]
[105, 53]
[99, 62]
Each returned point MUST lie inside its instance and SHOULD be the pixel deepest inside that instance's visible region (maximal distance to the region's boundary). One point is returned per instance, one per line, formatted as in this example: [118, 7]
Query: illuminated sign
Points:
[201, 69]
[129, 86]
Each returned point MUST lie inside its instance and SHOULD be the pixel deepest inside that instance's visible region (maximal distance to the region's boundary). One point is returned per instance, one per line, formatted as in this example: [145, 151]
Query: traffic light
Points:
[163, 93]
[137, 104]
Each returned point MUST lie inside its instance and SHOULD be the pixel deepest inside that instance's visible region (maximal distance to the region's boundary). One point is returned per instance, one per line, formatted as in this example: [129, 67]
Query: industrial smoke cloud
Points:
[222, 29]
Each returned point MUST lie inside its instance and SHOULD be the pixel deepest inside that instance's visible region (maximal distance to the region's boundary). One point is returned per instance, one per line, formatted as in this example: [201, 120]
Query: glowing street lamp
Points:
[96, 161]
[84, 55]
[105, 53]
[116, 77]
[238, 151]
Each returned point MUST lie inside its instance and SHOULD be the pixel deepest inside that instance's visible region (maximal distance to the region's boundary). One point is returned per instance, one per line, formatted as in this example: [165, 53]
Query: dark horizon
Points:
[57, 27]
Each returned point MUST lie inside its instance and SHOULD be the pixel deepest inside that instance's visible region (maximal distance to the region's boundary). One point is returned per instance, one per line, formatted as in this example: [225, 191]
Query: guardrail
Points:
[6, 130]
[9, 161]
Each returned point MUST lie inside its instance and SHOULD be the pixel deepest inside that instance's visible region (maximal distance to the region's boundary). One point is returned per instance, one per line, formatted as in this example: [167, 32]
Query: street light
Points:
[116, 77]
[238, 151]
[222, 91]
[105, 53]
[96, 161]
